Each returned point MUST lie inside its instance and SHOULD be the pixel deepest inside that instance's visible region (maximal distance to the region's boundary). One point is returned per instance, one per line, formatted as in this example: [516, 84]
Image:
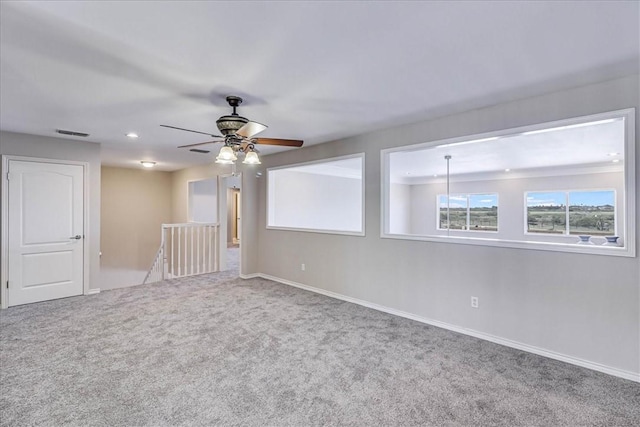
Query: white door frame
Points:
[4, 214]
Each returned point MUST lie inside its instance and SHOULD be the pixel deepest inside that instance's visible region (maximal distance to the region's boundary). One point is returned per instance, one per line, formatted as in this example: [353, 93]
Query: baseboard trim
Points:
[628, 375]
[251, 276]
[93, 291]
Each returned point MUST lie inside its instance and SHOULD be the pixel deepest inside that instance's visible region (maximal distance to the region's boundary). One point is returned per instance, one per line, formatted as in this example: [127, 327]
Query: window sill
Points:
[313, 230]
[519, 244]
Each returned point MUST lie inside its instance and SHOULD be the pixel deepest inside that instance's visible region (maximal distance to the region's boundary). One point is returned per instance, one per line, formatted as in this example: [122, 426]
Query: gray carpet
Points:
[217, 350]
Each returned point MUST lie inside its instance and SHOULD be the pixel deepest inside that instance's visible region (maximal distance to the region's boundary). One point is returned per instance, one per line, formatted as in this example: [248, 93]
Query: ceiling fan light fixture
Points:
[251, 158]
[229, 125]
[226, 155]
[224, 162]
[238, 133]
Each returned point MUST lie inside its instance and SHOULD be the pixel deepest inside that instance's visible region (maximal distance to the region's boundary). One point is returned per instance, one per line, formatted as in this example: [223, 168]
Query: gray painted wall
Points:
[18, 144]
[583, 306]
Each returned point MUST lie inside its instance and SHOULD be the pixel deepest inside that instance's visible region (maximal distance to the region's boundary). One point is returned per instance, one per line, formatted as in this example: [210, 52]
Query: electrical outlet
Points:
[303, 267]
[474, 302]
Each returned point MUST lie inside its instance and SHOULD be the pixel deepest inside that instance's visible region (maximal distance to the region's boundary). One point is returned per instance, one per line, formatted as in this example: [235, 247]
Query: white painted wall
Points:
[400, 209]
[315, 201]
[203, 200]
[580, 306]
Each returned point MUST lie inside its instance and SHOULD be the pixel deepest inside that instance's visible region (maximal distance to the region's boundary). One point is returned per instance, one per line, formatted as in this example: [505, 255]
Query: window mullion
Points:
[566, 213]
[468, 212]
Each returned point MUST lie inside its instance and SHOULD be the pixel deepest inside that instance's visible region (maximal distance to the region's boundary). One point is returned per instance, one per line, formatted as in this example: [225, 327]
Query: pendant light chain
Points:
[448, 158]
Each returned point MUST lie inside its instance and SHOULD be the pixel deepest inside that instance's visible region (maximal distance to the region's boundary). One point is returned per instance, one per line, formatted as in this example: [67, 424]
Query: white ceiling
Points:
[316, 71]
[560, 150]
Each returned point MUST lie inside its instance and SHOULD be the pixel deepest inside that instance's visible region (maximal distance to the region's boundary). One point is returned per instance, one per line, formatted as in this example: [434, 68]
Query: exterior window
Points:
[546, 212]
[457, 212]
[592, 212]
[472, 212]
[585, 212]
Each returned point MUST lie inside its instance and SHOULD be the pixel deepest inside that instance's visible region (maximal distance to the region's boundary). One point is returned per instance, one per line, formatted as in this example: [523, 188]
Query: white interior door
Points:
[46, 231]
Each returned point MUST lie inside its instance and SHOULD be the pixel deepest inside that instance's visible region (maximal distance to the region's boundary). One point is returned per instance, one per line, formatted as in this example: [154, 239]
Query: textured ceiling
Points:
[316, 71]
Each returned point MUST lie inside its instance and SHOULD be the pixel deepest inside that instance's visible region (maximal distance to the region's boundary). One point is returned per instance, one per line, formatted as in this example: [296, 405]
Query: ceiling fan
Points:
[238, 135]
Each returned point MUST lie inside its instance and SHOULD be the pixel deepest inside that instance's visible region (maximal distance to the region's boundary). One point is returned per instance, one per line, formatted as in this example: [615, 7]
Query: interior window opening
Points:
[577, 177]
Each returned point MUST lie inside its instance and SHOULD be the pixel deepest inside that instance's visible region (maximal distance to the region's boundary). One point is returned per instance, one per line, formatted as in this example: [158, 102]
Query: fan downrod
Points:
[234, 102]
[229, 124]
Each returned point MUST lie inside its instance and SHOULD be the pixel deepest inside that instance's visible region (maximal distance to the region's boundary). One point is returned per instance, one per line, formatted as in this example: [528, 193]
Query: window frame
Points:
[468, 223]
[627, 208]
[567, 232]
[361, 233]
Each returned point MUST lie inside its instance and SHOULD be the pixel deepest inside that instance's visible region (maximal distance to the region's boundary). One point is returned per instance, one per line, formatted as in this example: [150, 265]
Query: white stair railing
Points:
[190, 248]
[185, 250]
[156, 272]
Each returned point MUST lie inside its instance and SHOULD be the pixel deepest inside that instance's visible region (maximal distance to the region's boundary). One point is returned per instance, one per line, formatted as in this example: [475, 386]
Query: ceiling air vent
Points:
[197, 150]
[72, 133]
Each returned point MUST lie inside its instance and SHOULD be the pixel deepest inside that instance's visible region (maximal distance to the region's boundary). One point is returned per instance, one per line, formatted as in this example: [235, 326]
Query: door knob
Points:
[76, 237]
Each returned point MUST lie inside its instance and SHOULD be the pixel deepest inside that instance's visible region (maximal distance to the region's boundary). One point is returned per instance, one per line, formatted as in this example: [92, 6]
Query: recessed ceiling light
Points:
[613, 154]
[147, 164]
[435, 175]
[507, 170]
[132, 135]
[615, 160]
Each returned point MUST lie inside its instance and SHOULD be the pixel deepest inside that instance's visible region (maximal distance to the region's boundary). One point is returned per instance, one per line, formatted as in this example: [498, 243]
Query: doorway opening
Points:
[230, 221]
[233, 225]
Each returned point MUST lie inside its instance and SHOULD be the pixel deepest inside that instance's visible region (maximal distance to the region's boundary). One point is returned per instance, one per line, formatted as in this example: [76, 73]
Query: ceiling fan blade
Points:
[282, 142]
[199, 143]
[189, 130]
[250, 128]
